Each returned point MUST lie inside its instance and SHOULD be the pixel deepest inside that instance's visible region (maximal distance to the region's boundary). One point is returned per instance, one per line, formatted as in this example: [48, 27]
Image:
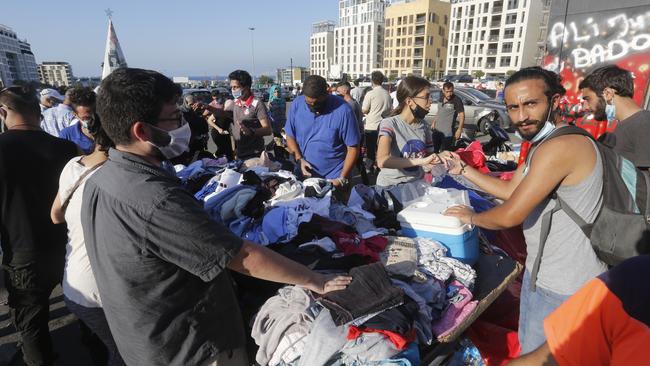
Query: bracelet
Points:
[471, 219]
[463, 165]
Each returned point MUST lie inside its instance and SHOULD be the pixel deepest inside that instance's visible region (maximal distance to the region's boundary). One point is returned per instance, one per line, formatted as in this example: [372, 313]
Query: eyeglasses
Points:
[428, 97]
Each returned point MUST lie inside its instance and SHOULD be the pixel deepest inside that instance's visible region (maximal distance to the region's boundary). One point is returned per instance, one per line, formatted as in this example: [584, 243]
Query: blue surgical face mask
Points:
[610, 112]
[236, 94]
[543, 132]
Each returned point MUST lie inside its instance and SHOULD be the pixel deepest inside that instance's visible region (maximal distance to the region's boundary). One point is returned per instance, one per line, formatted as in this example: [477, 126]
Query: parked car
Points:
[223, 91]
[200, 95]
[261, 94]
[459, 78]
[479, 110]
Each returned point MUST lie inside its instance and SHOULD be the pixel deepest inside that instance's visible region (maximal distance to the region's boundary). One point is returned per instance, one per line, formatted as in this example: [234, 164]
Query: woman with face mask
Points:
[405, 146]
[80, 291]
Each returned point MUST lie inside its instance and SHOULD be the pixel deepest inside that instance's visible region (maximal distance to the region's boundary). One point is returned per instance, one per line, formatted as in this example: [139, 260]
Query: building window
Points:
[513, 4]
[511, 18]
[509, 33]
[505, 61]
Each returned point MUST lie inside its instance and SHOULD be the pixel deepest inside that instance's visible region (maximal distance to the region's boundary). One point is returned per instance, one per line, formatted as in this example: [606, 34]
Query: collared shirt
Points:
[57, 118]
[248, 113]
[73, 133]
[323, 139]
[378, 104]
[160, 264]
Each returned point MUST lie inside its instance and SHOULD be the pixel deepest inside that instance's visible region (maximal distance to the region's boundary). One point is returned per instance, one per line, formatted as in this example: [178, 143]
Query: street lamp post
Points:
[252, 29]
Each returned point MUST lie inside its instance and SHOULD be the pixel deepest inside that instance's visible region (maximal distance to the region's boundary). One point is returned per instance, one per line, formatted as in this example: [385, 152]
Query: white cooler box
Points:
[423, 218]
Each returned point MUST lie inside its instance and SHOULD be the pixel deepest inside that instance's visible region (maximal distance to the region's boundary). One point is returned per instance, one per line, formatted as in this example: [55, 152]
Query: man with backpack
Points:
[560, 256]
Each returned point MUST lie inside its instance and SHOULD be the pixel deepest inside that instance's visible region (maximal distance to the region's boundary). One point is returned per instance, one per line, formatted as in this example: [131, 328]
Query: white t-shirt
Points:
[79, 283]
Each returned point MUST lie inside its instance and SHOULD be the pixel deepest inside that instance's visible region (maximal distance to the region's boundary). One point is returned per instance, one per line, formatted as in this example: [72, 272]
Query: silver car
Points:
[479, 109]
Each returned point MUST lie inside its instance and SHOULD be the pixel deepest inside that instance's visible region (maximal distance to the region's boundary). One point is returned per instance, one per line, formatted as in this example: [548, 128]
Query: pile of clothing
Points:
[405, 292]
[410, 296]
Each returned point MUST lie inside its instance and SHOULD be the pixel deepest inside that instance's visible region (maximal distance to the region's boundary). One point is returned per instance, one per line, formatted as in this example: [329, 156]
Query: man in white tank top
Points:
[569, 165]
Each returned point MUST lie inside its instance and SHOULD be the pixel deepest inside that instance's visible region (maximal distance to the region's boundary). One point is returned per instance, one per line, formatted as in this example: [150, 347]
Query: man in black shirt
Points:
[608, 92]
[33, 247]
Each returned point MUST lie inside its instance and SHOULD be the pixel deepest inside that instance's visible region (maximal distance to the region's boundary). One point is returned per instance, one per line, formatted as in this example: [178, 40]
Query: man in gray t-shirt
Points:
[450, 109]
[608, 92]
[407, 141]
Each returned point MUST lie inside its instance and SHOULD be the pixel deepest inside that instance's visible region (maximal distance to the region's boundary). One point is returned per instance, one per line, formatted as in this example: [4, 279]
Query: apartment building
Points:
[55, 73]
[292, 75]
[496, 37]
[17, 61]
[359, 37]
[321, 48]
[416, 38]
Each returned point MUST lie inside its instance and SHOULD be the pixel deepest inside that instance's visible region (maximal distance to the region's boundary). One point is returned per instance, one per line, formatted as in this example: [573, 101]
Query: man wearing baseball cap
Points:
[60, 116]
[49, 98]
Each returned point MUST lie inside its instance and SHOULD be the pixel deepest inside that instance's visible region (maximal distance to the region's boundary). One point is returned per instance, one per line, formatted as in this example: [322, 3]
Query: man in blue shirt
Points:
[322, 133]
[83, 102]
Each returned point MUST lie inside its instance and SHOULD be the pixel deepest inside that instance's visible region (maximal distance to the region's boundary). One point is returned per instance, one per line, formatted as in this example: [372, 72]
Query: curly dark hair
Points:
[83, 96]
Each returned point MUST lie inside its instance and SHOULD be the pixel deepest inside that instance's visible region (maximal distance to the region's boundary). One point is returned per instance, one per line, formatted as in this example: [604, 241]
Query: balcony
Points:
[418, 44]
[506, 50]
[493, 38]
[420, 19]
[492, 52]
[418, 53]
[495, 24]
[490, 66]
[497, 9]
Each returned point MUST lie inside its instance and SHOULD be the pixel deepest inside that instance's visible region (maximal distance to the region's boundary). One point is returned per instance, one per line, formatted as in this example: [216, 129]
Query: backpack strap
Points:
[646, 175]
[562, 131]
[545, 230]
[584, 226]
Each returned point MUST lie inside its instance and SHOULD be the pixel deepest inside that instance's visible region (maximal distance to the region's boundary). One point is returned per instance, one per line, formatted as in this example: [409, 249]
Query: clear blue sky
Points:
[176, 37]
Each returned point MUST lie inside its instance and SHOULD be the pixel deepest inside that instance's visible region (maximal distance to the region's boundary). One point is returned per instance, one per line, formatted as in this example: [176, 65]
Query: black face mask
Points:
[419, 112]
[318, 107]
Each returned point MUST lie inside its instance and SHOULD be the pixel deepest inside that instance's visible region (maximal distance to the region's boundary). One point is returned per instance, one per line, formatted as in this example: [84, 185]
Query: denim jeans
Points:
[369, 292]
[30, 283]
[95, 320]
[534, 307]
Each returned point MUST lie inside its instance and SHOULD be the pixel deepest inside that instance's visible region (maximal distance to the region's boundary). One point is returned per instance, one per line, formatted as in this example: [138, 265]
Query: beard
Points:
[599, 112]
[533, 126]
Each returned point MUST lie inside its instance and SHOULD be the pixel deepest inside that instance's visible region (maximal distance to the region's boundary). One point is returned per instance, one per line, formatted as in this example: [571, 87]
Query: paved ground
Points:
[65, 335]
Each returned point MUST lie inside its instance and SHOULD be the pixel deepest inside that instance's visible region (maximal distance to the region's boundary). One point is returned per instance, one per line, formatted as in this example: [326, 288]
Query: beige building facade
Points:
[416, 38]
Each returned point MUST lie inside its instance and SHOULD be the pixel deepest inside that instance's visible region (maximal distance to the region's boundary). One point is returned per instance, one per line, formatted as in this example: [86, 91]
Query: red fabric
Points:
[497, 345]
[506, 176]
[350, 243]
[495, 331]
[523, 152]
[400, 341]
[473, 155]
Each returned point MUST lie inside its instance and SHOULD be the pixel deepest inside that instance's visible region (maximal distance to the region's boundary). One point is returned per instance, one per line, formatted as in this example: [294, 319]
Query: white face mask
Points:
[179, 141]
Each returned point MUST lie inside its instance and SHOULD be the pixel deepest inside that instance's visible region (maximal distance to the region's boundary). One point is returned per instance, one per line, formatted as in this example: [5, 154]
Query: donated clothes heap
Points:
[412, 269]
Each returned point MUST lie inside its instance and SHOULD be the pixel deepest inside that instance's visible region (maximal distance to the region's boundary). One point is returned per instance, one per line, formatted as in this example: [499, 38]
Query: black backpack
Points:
[621, 228]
